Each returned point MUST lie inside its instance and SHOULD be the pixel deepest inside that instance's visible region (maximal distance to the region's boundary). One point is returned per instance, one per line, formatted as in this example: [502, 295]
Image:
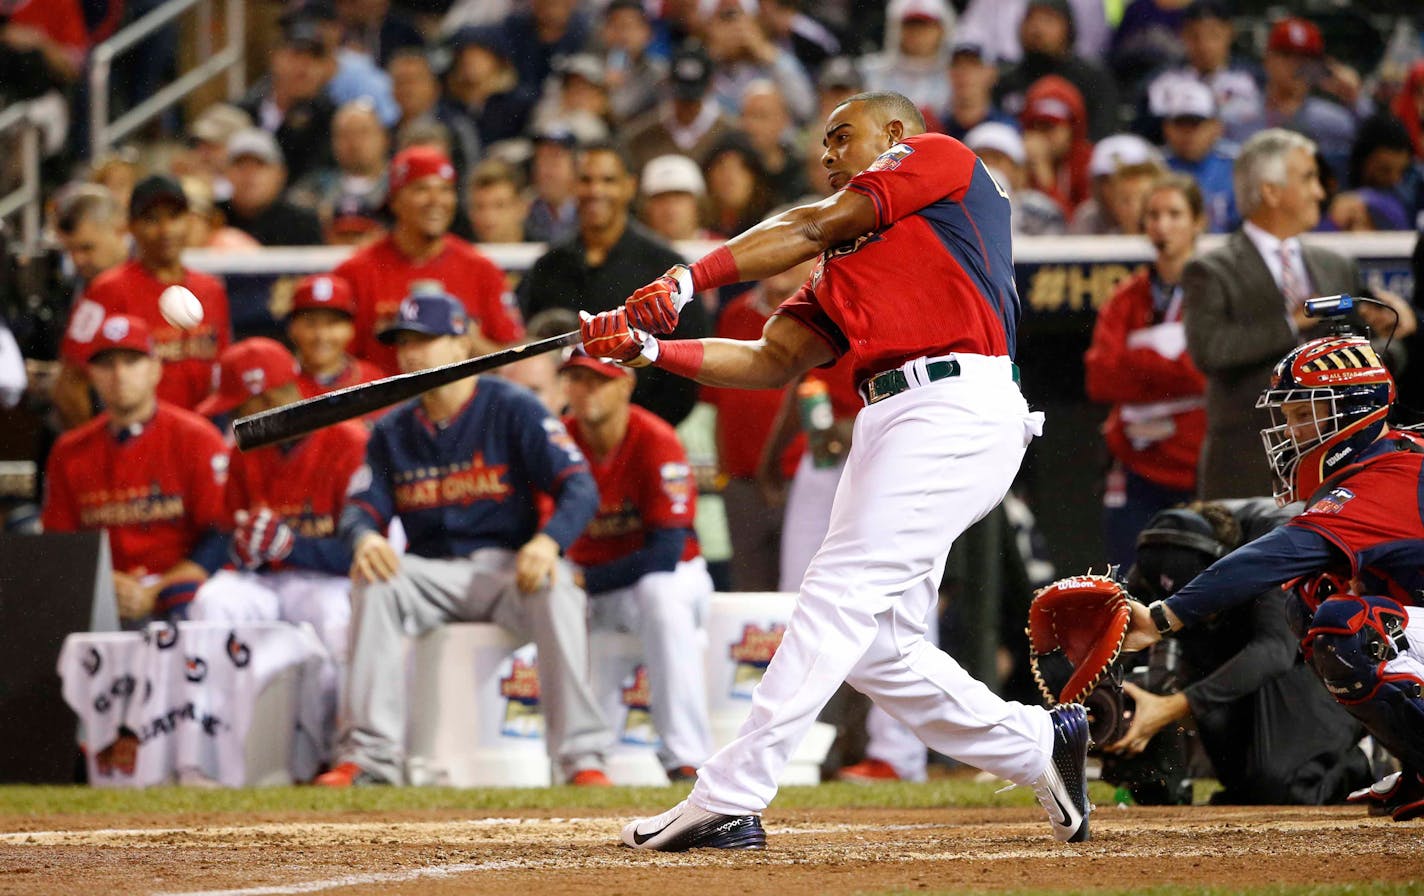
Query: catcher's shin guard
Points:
[1353, 640]
[1062, 789]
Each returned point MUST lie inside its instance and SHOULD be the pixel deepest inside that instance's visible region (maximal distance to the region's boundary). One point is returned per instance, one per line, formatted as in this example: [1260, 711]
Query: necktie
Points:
[1292, 286]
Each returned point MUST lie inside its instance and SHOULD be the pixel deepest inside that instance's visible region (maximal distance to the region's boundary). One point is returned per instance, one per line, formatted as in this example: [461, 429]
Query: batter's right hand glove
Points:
[655, 307]
[1076, 627]
[608, 335]
[260, 538]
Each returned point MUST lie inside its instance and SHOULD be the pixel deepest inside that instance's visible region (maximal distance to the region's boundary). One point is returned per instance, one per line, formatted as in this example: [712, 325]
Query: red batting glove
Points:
[259, 539]
[655, 307]
[607, 335]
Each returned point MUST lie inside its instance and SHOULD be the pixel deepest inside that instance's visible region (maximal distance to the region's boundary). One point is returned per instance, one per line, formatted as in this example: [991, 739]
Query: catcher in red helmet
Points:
[1362, 524]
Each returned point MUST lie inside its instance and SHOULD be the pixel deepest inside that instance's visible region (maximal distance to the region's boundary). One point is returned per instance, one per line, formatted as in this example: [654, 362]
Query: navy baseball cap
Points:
[430, 311]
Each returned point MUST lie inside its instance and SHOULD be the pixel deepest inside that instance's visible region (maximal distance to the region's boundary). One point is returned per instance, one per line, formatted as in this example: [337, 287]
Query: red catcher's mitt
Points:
[1076, 627]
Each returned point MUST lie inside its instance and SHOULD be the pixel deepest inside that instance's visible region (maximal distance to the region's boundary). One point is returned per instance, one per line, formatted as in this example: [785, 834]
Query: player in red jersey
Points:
[916, 283]
[321, 327]
[150, 473]
[158, 221]
[283, 503]
[420, 247]
[639, 558]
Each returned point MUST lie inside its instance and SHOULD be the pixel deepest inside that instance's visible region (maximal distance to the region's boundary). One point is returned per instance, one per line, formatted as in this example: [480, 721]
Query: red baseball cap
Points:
[1296, 35]
[246, 369]
[580, 358]
[415, 162]
[324, 291]
[120, 332]
[1047, 108]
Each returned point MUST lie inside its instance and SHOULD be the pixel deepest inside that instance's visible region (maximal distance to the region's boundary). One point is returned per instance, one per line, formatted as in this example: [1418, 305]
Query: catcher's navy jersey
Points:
[470, 483]
[1369, 526]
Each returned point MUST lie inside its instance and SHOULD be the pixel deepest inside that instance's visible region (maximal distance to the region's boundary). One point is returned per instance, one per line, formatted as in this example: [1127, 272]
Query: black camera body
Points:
[1159, 775]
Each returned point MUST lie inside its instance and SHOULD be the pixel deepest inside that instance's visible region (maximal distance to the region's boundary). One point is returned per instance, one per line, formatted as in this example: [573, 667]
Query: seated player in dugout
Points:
[1273, 735]
[638, 559]
[148, 472]
[321, 326]
[1354, 557]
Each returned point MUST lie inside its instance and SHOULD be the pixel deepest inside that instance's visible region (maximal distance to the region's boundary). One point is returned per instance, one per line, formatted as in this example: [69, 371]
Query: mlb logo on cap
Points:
[430, 311]
[119, 331]
[324, 291]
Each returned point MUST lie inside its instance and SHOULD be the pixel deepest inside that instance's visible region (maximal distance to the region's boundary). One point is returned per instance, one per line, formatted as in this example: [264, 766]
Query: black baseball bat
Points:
[302, 417]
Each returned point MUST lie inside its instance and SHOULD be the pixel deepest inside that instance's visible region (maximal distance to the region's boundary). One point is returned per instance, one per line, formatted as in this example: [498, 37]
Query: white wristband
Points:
[685, 293]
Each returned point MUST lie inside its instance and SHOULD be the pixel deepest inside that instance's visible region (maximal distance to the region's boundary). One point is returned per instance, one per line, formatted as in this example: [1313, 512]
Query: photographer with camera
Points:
[1273, 735]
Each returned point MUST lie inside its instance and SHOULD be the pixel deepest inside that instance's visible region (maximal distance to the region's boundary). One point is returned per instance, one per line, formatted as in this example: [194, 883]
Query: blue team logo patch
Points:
[891, 158]
[1333, 502]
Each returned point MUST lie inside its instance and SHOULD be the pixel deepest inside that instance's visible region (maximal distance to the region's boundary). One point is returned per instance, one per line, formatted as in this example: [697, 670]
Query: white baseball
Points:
[180, 307]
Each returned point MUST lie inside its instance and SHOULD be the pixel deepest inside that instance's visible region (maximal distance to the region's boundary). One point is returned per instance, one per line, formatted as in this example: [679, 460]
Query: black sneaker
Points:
[685, 826]
[1062, 789]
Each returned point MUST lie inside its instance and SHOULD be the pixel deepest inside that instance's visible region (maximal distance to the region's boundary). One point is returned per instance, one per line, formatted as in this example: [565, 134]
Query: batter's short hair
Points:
[890, 106]
[1263, 161]
[85, 202]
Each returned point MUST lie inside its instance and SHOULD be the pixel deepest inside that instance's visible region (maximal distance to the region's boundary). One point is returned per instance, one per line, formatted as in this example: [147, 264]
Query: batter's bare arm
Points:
[776, 244]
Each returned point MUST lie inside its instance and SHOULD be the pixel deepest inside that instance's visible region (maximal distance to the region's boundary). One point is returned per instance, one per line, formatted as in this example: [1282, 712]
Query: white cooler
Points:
[474, 712]
[743, 631]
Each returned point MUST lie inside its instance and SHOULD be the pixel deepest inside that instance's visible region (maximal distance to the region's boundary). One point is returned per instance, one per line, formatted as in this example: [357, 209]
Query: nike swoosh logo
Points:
[640, 839]
[1063, 813]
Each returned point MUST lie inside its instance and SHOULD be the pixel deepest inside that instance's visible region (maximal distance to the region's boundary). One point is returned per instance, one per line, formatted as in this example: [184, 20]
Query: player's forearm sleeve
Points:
[329, 555]
[659, 553]
[575, 505]
[211, 551]
[1267, 562]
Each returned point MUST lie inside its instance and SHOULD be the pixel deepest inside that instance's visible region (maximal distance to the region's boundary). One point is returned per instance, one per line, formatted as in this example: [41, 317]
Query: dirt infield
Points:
[841, 852]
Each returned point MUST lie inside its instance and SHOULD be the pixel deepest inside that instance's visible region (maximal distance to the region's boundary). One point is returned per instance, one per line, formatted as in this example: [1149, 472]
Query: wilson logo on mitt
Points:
[1076, 627]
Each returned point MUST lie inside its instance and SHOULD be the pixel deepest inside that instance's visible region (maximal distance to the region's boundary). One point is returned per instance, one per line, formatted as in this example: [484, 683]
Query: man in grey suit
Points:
[1243, 304]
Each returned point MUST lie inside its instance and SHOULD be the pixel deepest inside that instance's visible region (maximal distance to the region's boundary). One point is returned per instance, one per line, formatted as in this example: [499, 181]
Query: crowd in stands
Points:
[415, 131]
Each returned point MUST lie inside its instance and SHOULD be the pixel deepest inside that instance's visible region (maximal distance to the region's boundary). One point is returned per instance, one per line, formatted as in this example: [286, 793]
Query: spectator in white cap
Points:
[258, 174]
[917, 42]
[672, 191]
[1123, 168]
[1191, 130]
[972, 74]
[1031, 212]
[1207, 36]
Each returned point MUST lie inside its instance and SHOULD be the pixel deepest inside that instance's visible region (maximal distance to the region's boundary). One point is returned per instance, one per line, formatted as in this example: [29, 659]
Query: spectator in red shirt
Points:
[1138, 363]
[158, 222]
[149, 473]
[421, 248]
[1056, 141]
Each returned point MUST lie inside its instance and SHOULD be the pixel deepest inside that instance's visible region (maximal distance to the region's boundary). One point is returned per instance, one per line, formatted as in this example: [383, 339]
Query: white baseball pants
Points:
[667, 611]
[924, 465]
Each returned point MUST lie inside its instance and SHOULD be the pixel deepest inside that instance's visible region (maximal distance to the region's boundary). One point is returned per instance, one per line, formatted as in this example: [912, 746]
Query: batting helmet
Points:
[1328, 401]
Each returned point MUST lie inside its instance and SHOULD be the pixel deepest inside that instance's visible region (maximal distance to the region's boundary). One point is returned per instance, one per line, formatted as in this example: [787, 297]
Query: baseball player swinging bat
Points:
[302, 417]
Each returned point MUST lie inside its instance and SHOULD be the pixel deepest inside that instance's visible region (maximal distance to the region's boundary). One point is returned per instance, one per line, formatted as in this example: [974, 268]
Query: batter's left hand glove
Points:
[655, 307]
[608, 335]
[1076, 627]
[260, 538]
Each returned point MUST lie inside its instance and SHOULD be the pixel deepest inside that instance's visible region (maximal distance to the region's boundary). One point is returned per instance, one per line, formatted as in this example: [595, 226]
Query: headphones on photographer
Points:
[1176, 545]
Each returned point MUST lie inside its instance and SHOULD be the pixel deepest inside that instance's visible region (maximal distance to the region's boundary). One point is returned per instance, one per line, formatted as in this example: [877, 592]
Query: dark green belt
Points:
[893, 382]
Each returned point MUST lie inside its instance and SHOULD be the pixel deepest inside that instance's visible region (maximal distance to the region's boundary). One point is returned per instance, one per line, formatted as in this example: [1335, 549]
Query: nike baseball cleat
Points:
[685, 826]
[1062, 789]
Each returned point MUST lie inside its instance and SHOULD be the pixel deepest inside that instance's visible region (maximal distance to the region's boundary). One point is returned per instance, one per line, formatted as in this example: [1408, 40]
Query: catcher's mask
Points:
[1174, 548]
[1338, 395]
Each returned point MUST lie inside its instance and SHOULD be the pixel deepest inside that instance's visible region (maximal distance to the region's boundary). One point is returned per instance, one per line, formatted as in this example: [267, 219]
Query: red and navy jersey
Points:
[381, 275]
[935, 276]
[471, 481]
[1368, 526]
[645, 484]
[189, 356]
[1375, 518]
[354, 373]
[304, 483]
[157, 486]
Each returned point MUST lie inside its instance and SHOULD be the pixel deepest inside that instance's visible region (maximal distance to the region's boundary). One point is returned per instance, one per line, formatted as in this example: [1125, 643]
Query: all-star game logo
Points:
[1334, 502]
[636, 698]
[752, 654]
[520, 690]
